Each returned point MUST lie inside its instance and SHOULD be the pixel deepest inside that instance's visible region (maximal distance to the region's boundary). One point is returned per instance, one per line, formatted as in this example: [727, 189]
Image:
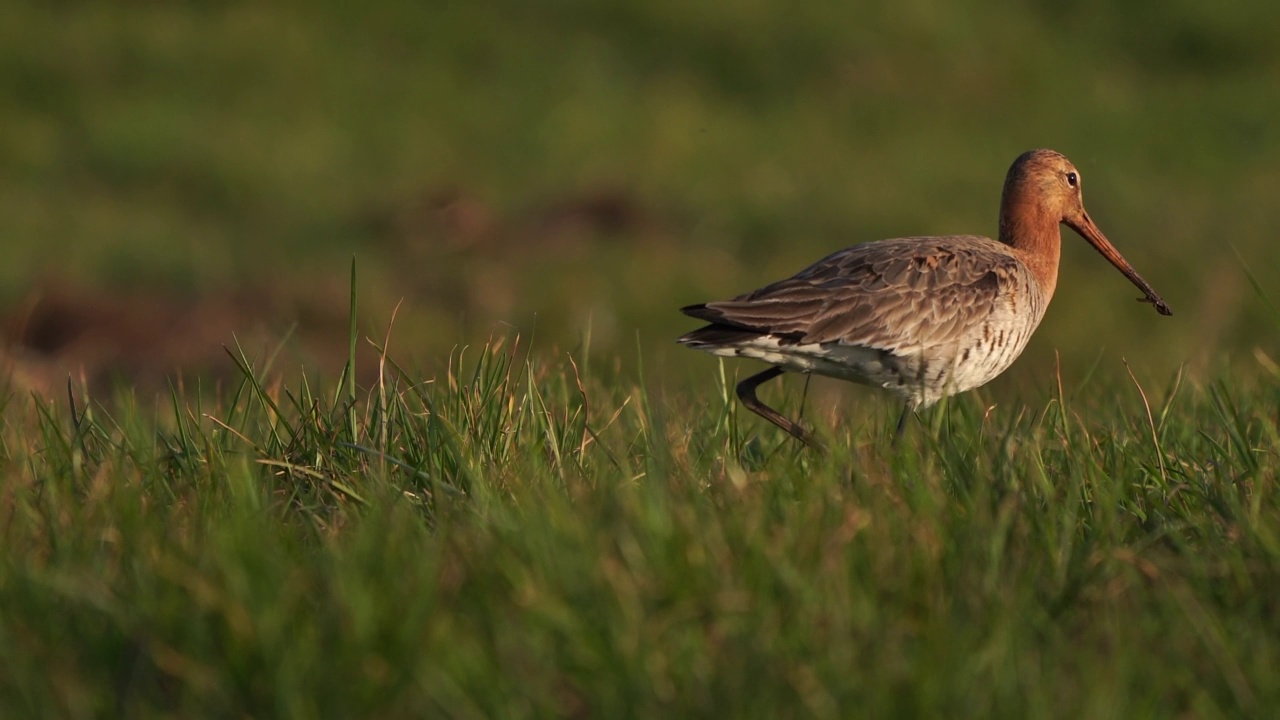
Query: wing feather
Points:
[885, 295]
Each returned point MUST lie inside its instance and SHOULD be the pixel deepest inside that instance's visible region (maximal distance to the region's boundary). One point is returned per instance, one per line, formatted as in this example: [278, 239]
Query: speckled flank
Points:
[923, 317]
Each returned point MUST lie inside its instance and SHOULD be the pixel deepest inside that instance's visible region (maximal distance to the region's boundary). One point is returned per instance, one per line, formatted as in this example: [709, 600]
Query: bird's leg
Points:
[902, 426]
[747, 394]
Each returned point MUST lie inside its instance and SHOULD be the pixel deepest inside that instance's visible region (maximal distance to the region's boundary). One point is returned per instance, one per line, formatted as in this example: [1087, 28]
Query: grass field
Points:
[547, 167]
[518, 539]
[532, 503]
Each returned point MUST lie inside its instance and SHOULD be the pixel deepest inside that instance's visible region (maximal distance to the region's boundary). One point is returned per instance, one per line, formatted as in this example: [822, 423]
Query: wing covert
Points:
[883, 295]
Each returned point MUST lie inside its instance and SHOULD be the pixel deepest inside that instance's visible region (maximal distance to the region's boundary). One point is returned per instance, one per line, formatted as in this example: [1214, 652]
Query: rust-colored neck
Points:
[1034, 233]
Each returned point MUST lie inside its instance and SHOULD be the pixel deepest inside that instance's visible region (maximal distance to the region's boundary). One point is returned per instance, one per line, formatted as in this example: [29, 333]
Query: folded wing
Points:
[889, 295]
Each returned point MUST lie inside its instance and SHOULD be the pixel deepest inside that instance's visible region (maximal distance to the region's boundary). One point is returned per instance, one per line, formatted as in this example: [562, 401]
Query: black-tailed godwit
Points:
[924, 317]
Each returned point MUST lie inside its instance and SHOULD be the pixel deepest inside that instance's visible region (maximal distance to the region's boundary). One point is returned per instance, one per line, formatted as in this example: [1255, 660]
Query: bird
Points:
[922, 317]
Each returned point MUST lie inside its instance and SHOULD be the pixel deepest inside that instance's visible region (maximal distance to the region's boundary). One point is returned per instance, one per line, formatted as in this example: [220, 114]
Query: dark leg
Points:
[902, 426]
[747, 394]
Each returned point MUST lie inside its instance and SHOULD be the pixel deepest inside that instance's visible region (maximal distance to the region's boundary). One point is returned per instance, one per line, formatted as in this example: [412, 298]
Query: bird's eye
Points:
[1072, 179]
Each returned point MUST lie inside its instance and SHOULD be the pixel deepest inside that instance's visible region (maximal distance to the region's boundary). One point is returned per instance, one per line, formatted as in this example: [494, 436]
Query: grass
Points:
[516, 538]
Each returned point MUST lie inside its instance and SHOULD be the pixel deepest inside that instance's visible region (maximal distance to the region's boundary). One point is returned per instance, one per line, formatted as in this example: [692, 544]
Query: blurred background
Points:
[179, 176]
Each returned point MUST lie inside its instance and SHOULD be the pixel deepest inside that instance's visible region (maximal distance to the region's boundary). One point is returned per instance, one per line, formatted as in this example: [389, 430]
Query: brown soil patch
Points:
[148, 338]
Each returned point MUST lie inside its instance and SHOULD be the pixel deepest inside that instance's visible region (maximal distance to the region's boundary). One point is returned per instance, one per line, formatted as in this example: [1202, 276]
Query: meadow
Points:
[517, 538]
[342, 383]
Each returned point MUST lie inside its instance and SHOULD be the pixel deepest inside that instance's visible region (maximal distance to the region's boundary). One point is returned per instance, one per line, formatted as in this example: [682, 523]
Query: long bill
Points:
[1089, 231]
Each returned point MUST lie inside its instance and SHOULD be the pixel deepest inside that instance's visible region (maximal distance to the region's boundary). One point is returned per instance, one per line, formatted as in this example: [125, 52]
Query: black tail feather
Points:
[715, 335]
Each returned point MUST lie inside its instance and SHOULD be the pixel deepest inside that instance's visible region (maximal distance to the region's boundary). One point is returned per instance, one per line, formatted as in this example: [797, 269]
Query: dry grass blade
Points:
[1151, 422]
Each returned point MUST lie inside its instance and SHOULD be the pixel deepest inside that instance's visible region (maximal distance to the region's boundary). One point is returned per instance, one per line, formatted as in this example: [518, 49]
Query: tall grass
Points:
[516, 537]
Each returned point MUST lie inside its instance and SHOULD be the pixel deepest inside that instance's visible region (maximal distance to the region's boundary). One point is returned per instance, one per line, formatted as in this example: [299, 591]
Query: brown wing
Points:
[885, 295]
